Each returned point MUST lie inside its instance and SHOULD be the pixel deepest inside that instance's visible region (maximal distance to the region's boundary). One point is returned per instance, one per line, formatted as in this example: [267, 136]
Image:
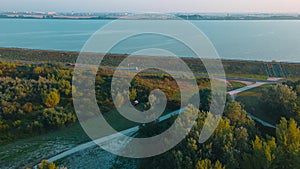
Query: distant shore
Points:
[132, 16]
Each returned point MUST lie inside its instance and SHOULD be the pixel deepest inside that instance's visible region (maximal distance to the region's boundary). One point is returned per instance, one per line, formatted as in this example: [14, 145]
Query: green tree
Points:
[38, 70]
[280, 99]
[207, 164]
[288, 135]
[298, 89]
[57, 117]
[65, 87]
[223, 146]
[27, 107]
[288, 152]
[51, 99]
[133, 95]
[46, 165]
[237, 115]
[262, 155]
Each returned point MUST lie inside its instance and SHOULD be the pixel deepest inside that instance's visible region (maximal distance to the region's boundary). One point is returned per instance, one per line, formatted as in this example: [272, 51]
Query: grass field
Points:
[235, 85]
[250, 99]
[233, 68]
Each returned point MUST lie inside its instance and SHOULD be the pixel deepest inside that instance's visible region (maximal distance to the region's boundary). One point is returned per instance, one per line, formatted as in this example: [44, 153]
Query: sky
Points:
[228, 6]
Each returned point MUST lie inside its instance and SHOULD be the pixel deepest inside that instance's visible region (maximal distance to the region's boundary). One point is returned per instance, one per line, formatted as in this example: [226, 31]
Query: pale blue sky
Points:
[286, 6]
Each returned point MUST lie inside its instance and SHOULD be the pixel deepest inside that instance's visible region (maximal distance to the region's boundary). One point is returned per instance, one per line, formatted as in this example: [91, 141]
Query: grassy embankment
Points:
[235, 85]
[233, 68]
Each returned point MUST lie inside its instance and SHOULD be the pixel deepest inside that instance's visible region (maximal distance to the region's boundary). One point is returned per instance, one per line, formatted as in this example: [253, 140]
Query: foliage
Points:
[46, 165]
[230, 146]
[36, 98]
[26, 91]
[206, 164]
[288, 135]
[57, 118]
[281, 101]
[51, 99]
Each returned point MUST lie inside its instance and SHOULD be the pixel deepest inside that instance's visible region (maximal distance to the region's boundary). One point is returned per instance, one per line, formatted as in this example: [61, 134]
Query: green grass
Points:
[119, 123]
[251, 100]
[235, 85]
[252, 76]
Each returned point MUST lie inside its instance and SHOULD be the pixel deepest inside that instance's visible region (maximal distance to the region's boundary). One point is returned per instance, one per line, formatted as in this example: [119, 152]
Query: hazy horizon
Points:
[169, 6]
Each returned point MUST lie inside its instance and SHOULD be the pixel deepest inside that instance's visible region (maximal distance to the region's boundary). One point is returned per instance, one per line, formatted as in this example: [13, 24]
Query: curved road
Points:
[132, 131]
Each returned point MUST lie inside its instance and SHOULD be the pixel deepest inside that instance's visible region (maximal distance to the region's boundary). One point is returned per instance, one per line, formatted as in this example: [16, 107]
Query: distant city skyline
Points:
[205, 6]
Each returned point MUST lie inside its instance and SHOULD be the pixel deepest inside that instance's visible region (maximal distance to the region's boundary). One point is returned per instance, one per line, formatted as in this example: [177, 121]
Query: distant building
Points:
[51, 13]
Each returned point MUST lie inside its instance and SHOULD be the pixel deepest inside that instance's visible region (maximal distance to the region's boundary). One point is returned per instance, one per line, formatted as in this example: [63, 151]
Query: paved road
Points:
[103, 140]
[264, 123]
[233, 93]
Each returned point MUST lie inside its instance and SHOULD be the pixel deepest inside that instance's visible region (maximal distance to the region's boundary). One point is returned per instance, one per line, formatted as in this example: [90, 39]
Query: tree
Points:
[46, 165]
[38, 70]
[298, 89]
[237, 115]
[262, 155]
[57, 117]
[51, 99]
[288, 135]
[65, 87]
[133, 95]
[279, 99]
[205, 99]
[27, 107]
[222, 148]
[241, 138]
[288, 138]
[268, 154]
[207, 164]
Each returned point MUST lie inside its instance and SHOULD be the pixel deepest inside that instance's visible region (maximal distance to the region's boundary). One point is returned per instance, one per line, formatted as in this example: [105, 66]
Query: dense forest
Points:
[236, 143]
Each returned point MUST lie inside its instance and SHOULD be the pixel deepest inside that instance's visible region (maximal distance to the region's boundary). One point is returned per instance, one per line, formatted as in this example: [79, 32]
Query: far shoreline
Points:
[112, 19]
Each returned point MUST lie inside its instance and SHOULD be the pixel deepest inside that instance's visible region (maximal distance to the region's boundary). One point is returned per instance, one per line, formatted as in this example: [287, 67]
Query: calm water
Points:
[246, 40]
